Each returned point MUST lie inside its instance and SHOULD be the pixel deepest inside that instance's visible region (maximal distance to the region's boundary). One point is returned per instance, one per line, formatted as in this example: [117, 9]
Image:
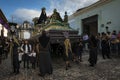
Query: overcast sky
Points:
[28, 9]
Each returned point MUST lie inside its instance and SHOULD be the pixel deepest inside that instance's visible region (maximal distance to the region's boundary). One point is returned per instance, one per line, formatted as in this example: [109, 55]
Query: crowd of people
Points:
[4, 48]
[37, 54]
[109, 43]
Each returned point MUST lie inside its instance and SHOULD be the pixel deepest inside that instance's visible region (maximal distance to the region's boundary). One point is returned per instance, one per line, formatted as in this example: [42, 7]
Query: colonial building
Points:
[101, 16]
[4, 26]
[25, 31]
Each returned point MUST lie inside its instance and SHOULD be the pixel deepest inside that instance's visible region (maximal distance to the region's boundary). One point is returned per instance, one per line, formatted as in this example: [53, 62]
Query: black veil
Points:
[44, 39]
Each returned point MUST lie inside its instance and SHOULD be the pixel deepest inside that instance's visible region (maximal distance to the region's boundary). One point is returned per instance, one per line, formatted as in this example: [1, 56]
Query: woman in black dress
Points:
[93, 50]
[45, 63]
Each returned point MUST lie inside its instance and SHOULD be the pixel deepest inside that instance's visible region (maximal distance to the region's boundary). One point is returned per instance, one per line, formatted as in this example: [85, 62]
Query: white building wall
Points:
[5, 30]
[75, 24]
[109, 12]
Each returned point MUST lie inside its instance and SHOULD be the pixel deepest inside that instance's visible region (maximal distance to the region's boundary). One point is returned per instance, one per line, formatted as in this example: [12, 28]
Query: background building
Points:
[4, 26]
[101, 16]
[25, 31]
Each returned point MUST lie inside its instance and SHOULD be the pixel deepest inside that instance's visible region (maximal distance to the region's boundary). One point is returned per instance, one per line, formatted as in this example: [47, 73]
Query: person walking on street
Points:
[93, 51]
[33, 59]
[26, 48]
[15, 56]
[68, 52]
[45, 63]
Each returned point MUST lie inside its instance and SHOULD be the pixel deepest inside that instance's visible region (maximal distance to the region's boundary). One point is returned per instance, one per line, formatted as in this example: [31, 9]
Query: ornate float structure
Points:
[57, 28]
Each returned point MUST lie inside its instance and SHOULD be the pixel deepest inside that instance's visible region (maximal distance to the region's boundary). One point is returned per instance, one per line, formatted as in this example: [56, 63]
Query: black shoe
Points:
[104, 58]
[16, 73]
[81, 60]
[91, 65]
[69, 65]
[42, 75]
[20, 61]
[49, 73]
[66, 68]
[109, 57]
[27, 67]
[76, 62]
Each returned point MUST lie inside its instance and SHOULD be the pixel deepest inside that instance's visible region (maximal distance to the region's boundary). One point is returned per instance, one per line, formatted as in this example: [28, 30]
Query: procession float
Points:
[57, 28]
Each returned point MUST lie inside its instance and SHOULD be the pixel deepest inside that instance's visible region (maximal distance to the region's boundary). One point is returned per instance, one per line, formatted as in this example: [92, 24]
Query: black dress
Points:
[15, 59]
[45, 63]
[93, 51]
[1, 51]
[105, 49]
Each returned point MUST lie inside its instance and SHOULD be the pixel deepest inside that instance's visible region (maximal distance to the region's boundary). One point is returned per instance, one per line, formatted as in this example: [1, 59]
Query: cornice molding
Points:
[91, 7]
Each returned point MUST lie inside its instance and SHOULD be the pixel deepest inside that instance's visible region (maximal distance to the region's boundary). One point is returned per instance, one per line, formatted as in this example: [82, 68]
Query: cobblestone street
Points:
[108, 69]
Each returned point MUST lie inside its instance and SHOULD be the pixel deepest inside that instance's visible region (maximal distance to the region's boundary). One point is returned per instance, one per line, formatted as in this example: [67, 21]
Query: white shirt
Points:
[26, 48]
[85, 37]
[33, 54]
[20, 56]
[22, 47]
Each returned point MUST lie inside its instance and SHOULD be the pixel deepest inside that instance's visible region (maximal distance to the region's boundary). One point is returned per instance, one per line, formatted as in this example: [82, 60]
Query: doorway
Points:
[90, 25]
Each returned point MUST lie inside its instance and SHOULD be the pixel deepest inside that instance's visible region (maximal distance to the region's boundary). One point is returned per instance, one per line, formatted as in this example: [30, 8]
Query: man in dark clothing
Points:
[79, 49]
[45, 63]
[6, 48]
[93, 50]
[26, 48]
[1, 50]
[15, 59]
[105, 44]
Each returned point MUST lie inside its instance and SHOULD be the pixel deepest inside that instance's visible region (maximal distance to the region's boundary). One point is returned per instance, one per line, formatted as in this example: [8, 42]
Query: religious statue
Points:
[35, 20]
[56, 16]
[42, 17]
[66, 17]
